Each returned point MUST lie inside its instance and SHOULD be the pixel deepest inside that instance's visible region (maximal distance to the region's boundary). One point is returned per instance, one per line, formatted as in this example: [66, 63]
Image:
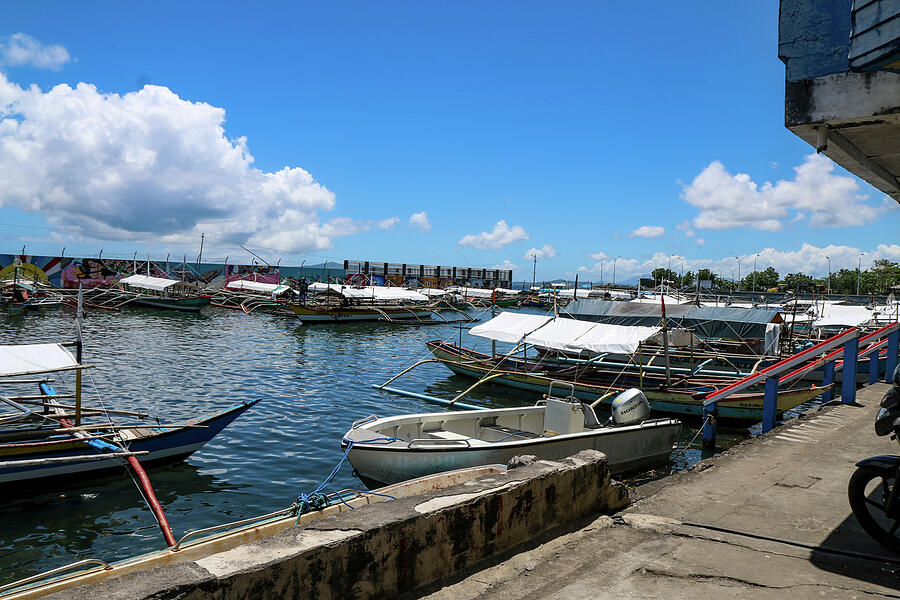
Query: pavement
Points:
[767, 519]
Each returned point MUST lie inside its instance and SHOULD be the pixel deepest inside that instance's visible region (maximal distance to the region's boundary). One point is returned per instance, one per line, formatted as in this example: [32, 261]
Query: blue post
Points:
[848, 386]
[710, 412]
[827, 379]
[770, 403]
[873, 367]
[892, 350]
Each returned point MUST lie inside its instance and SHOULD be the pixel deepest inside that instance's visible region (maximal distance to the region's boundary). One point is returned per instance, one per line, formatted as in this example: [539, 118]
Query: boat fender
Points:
[630, 407]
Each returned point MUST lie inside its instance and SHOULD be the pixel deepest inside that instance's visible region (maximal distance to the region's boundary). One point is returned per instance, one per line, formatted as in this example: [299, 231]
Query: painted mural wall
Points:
[70, 272]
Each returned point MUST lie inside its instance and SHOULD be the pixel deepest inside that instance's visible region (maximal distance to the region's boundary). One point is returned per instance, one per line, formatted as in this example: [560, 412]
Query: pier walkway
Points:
[783, 528]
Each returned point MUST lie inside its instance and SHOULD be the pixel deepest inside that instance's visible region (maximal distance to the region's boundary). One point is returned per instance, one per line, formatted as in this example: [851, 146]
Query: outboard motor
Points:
[630, 407]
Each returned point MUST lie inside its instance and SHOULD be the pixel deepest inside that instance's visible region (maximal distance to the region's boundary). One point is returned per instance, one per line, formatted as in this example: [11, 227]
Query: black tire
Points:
[867, 490]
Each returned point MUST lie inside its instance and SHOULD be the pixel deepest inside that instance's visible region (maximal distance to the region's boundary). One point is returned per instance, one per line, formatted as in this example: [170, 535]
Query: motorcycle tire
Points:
[867, 504]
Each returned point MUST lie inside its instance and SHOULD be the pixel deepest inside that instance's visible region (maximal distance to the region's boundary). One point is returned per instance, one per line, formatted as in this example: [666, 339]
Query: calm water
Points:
[314, 381]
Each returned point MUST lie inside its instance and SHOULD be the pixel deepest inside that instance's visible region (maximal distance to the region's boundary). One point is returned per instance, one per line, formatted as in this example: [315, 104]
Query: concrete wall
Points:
[383, 549]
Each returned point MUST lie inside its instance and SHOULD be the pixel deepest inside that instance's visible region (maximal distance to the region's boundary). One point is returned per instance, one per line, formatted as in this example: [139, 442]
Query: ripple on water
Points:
[314, 381]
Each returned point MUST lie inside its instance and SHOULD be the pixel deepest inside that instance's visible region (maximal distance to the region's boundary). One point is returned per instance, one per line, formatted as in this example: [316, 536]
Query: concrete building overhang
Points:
[854, 119]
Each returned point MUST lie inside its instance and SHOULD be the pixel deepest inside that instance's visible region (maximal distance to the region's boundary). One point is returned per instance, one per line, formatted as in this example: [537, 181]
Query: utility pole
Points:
[533, 270]
[739, 273]
[858, 266]
[614, 270]
[829, 274]
[200, 256]
[755, 256]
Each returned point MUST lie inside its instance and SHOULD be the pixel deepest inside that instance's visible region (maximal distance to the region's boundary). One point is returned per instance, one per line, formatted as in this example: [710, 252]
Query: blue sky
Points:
[590, 130]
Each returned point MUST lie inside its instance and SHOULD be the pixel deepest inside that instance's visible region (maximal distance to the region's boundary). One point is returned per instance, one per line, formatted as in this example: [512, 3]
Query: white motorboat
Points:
[392, 449]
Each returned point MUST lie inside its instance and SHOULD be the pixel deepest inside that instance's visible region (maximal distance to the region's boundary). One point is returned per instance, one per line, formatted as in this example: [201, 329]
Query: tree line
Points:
[877, 279]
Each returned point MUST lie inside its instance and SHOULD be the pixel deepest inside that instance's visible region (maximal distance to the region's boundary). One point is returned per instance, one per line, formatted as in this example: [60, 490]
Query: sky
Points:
[585, 134]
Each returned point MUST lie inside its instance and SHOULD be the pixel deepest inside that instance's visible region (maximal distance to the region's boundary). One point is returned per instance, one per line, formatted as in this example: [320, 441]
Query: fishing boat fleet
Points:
[615, 376]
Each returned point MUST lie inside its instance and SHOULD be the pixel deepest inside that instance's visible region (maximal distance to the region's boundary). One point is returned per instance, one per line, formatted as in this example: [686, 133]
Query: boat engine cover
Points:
[630, 407]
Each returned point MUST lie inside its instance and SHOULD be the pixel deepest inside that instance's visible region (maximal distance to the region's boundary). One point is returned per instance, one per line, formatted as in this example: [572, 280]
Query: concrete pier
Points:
[768, 519]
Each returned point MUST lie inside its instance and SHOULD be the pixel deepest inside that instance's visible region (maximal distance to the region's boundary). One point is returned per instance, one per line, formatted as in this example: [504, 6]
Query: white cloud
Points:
[699, 242]
[420, 221]
[501, 235]
[506, 265]
[150, 166]
[542, 253]
[685, 226]
[598, 256]
[20, 50]
[816, 194]
[582, 269]
[648, 231]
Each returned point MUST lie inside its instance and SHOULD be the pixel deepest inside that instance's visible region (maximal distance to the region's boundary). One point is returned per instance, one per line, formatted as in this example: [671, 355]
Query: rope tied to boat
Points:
[317, 500]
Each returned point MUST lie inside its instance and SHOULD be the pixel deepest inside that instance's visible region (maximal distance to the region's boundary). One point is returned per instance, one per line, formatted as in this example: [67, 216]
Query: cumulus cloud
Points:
[501, 235]
[21, 50]
[648, 231]
[582, 269]
[598, 256]
[420, 221]
[151, 166]
[816, 195]
[545, 251]
[506, 265]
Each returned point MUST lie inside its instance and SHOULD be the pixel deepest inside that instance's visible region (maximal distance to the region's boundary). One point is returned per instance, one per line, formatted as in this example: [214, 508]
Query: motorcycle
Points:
[874, 487]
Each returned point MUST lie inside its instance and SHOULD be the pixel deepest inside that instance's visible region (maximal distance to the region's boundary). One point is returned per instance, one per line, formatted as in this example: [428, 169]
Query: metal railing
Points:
[838, 353]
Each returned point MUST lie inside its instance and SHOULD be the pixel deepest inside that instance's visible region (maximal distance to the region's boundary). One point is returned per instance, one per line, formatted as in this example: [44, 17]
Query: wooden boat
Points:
[211, 540]
[335, 303]
[396, 448]
[43, 446]
[682, 397]
[160, 292]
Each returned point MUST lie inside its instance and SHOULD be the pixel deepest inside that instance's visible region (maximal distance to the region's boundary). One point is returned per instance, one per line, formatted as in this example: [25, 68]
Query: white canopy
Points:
[508, 291]
[567, 335]
[29, 359]
[148, 283]
[836, 315]
[510, 326]
[257, 286]
[382, 293]
[432, 292]
[571, 293]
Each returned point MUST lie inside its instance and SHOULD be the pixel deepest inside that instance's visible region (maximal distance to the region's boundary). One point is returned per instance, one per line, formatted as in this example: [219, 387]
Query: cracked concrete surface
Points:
[787, 486]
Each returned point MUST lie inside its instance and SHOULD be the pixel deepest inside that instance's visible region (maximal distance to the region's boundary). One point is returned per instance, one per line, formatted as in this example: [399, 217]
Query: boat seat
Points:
[590, 417]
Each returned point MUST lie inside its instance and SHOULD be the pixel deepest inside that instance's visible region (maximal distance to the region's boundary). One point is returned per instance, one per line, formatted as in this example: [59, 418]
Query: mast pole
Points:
[78, 348]
[665, 333]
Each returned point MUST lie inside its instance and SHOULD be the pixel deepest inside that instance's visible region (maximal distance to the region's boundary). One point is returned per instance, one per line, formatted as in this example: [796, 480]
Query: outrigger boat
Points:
[160, 292]
[392, 449]
[671, 392]
[44, 441]
[334, 303]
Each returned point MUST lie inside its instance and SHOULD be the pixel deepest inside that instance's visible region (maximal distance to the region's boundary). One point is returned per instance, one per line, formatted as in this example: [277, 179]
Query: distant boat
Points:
[160, 292]
[335, 303]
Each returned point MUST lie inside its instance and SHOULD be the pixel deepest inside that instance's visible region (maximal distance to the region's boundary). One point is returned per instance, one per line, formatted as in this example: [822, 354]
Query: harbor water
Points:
[314, 381]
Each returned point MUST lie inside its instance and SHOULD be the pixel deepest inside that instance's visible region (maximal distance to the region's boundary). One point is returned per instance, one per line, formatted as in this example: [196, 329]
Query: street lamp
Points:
[858, 265]
[681, 282]
[614, 269]
[739, 273]
[755, 256]
[829, 274]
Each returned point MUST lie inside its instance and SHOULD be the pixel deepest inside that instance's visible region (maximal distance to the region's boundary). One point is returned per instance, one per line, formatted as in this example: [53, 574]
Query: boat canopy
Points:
[29, 359]
[705, 321]
[432, 292]
[258, 286]
[581, 293]
[836, 315]
[470, 292]
[382, 293]
[148, 283]
[566, 335]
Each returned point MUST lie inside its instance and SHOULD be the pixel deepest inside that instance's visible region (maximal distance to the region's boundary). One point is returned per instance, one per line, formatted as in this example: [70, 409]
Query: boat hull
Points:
[192, 304]
[163, 446]
[626, 448]
[311, 315]
[738, 407]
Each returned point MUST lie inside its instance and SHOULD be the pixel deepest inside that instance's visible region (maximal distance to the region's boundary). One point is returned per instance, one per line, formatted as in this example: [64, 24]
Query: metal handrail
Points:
[364, 420]
[561, 384]
[437, 442]
[39, 576]
[285, 511]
